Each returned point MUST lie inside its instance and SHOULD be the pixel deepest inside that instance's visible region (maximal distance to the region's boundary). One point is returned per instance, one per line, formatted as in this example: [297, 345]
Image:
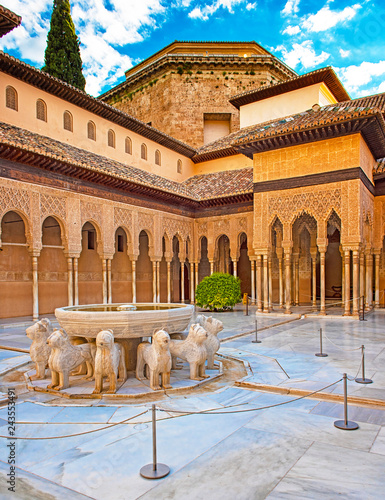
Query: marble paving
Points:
[220, 441]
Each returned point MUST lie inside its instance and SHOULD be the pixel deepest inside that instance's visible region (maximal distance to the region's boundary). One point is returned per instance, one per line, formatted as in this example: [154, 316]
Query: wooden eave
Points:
[8, 20]
[56, 87]
[214, 155]
[371, 127]
[325, 75]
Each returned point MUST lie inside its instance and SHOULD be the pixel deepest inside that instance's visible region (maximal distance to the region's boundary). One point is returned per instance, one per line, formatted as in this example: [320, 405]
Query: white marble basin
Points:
[88, 320]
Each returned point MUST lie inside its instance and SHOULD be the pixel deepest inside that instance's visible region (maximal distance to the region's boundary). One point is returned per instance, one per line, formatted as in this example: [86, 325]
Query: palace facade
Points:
[209, 157]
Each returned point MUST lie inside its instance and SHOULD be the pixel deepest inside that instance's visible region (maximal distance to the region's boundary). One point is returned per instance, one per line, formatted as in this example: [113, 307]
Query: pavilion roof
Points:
[8, 20]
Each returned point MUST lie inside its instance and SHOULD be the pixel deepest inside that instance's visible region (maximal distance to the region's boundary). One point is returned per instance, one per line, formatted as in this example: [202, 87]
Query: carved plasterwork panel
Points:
[122, 217]
[174, 226]
[12, 198]
[52, 205]
[91, 211]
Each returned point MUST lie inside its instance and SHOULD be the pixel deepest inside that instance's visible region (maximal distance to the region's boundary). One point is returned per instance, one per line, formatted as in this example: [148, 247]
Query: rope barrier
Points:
[77, 434]
[340, 348]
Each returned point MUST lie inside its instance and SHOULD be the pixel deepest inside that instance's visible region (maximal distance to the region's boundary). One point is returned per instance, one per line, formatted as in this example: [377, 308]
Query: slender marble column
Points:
[235, 267]
[253, 281]
[211, 267]
[168, 281]
[196, 274]
[133, 269]
[362, 278]
[109, 282]
[297, 281]
[154, 282]
[368, 280]
[280, 274]
[288, 281]
[343, 278]
[356, 282]
[270, 264]
[158, 282]
[70, 283]
[192, 287]
[314, 280]
[35, 289]
[104, 274]
[76, 281]
[182, 281]
[347, 283]
[322, 253]
[265, 284]
[259, 282]
[377, 281]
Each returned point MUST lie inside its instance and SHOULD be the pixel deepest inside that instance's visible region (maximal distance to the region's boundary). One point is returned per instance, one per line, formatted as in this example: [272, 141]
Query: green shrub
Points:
[218, 292]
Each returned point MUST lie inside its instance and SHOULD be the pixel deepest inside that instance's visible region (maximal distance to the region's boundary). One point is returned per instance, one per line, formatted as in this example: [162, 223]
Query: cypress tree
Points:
[62, 54]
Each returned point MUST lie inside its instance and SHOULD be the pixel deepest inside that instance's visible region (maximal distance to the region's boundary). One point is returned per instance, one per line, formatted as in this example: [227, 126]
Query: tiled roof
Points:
[221, 184]
[307, 120]
[197, 188]
[8, 20]
[326, 75]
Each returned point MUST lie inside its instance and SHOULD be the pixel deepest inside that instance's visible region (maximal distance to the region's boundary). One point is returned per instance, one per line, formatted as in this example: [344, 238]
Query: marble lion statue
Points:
[40, 350]
[65, 357]
[109, 362]
[212, 326]
[192, 350]
[156, 359]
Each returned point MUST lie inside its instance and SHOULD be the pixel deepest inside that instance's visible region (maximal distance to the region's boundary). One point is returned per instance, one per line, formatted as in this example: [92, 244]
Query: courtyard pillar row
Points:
[342, 276]
[265, 284]
[279, 252]
[362, 277]
[35, 286]
[109, 282]
[104, 278]
[76, 280]
[253, 281]
[192, 289]
[347, 282]
[314, 278]
[377, 279]
[70, 283]
[369, 273]
[133, 259]
[356, 282]
[288, 279]
[168, 280]
[259, 283]
[270, 263]
[296, 280]
[322, 252]
[182, 281]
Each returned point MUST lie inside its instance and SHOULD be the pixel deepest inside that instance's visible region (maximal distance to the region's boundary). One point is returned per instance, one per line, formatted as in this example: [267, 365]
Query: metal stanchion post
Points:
[320, 354]
[256, 341]
[247, 306]
[363, 380]
[154, 470]
[345, 424]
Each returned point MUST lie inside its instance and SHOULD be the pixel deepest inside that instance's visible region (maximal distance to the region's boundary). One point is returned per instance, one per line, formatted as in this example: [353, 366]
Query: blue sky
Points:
[306, 34]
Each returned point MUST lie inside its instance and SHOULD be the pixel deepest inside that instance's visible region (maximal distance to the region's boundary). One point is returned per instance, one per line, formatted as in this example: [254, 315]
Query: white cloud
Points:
[325, 18]
[291, 30]
[291, 8]
[355, 76]
[205, 12]
[100, 34]
[251, 6]
[303, 54]
[344, 53]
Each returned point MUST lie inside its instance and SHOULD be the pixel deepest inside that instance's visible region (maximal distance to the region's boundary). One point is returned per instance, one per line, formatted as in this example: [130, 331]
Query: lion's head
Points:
[210, 324]
[162, 339]
[105, 339]
[197, 333]
[58, 338]
[41, 330]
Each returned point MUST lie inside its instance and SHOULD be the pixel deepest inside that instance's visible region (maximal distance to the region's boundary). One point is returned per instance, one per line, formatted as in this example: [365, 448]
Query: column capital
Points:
[107, 256]
[133, 256]
[71, 255]
[34, 252]
[322, 243]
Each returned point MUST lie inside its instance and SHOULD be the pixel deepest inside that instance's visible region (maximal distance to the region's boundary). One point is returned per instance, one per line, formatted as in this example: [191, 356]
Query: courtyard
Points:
[247, 434]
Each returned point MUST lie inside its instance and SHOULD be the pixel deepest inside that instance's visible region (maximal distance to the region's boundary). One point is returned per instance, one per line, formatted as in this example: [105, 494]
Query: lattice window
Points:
[128, 146]
[179, 166]
[91, 131]
[157, 157]
[11, 98]
[143, 152]
[111, 138]
[41, 110]
[67, 121]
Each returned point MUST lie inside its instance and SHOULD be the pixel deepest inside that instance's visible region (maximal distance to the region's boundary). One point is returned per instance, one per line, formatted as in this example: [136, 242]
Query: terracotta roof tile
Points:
[197, 188]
